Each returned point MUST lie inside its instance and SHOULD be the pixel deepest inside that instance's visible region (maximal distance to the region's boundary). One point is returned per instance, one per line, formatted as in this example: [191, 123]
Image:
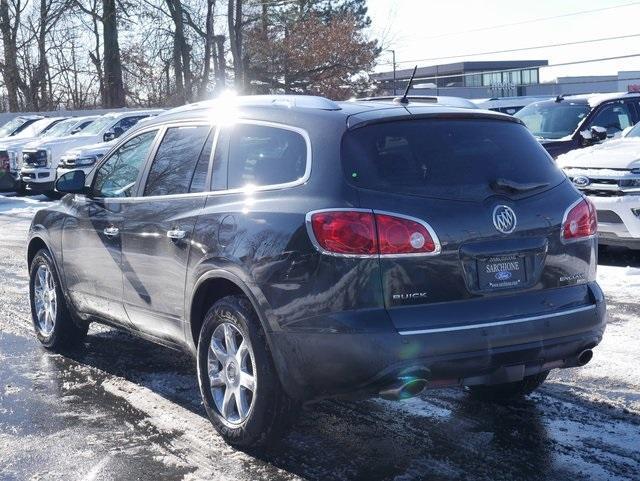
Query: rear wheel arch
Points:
[212, 287]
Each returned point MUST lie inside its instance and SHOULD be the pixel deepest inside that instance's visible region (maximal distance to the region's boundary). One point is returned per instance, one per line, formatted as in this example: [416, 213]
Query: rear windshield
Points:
[462, 159]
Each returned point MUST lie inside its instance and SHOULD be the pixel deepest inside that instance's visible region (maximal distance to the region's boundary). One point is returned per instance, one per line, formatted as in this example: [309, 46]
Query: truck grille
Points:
[605, 182]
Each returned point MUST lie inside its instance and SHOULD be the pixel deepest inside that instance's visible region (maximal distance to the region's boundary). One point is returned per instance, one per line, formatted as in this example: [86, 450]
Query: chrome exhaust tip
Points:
[584, 357]
[404, 387]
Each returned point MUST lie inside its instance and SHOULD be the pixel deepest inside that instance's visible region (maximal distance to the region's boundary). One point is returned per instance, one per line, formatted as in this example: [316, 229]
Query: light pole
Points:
[393, 53]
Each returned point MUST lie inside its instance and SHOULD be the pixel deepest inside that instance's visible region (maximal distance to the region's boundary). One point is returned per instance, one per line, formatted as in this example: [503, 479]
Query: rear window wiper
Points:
[502, 185]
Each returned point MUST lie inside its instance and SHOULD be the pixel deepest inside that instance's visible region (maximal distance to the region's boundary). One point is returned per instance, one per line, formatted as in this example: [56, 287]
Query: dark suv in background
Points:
[576, 121]
[302, 248]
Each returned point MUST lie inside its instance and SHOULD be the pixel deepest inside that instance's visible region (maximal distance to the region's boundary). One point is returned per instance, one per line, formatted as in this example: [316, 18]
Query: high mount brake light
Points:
[580, 221]
[365, 233]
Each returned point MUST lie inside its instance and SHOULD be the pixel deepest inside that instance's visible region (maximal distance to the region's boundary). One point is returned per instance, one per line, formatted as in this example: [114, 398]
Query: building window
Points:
[473, 80]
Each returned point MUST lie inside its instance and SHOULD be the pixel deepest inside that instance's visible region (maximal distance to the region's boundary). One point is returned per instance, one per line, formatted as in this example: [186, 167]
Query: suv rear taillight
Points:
[345, 232]
[366, 233]
[580, 221]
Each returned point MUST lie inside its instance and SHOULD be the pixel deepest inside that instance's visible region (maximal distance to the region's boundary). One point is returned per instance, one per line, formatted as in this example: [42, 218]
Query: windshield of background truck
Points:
[39, 127]
[553, 120]
[98, 125]
[11, 126]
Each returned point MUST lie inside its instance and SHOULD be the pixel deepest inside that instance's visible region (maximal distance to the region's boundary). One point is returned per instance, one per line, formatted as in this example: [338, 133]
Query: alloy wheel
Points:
[45, 300]
[232, 373]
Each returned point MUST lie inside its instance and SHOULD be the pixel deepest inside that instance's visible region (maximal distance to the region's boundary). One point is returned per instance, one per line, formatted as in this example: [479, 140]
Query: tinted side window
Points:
[175, 163]
[615, 117]
[262, 155]
[118, 175]
[128, 122]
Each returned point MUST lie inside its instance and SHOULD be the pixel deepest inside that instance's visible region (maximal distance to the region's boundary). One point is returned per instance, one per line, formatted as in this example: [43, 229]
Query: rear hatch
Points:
[495, 202]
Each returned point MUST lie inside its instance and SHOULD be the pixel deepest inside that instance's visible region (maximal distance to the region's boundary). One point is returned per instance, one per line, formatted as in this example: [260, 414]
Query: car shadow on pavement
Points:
[441, 435]
[618, 257]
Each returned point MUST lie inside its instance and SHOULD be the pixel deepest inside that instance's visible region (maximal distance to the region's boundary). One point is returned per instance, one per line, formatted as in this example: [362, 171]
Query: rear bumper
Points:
[320, 364]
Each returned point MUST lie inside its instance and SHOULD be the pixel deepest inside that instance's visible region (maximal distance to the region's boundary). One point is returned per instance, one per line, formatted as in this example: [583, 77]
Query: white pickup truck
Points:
[40, 159]
[44, 129]
[609, 174]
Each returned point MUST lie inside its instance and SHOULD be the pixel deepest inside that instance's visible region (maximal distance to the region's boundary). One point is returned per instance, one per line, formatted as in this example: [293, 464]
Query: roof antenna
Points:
[404, 99]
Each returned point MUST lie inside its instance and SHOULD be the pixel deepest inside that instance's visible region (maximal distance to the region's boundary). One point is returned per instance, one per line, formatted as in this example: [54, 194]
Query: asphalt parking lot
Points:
[122, 408]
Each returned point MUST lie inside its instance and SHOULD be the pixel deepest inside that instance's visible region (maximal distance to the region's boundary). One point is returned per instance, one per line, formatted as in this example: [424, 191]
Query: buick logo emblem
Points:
[581, 181]
[504, 219]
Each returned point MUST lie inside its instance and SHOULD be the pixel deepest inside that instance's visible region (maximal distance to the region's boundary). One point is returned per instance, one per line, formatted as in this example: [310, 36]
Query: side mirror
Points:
[586, 138]
[592, 136]
[599, 133]
[72, 183]
[109, 136]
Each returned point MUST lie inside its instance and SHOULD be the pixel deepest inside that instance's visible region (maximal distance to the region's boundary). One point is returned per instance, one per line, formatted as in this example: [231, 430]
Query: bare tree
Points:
[9, 31]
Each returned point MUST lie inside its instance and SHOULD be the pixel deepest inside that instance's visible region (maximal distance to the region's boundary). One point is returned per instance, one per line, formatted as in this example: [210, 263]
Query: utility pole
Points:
[393, 53]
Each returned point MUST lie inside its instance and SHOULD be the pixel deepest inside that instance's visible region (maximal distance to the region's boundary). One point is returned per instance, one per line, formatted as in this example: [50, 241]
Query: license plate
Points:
[501, 272]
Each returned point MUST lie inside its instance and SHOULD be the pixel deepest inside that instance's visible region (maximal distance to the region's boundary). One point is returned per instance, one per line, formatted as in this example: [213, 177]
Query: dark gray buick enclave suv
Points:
[302, 248]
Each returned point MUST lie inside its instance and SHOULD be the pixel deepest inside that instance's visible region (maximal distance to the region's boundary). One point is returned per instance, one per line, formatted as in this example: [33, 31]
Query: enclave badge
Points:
[504, 219]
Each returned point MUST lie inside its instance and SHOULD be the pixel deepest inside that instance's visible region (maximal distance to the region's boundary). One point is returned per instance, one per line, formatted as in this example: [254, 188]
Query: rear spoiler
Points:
[363, 119]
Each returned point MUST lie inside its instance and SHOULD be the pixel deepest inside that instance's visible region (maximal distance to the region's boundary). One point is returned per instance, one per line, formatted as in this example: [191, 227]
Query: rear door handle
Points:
[176, 234]
[111, 231]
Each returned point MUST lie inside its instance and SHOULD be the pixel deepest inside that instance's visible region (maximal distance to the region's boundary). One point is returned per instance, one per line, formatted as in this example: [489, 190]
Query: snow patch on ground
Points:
[622, 283]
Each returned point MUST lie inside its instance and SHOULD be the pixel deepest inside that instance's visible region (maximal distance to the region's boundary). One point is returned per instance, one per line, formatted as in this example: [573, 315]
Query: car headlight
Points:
[84, 161]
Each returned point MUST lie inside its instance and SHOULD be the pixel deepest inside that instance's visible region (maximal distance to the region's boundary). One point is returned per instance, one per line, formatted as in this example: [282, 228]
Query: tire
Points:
[55, 328]
[251, 419]
[508, 391]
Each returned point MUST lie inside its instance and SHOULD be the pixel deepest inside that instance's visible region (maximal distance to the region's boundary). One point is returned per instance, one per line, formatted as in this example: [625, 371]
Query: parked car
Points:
[41, 158]
[609, 174]
[508, 105]
[8, 163]
[17, 125]
[302, 248]
[11, 150]
[577, 121]
[85, 158]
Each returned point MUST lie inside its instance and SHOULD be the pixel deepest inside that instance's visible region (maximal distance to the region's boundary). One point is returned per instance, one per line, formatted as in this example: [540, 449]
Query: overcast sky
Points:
[423, 29]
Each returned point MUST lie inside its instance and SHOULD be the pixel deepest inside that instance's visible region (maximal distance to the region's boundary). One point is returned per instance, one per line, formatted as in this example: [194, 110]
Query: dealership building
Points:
[507, 78]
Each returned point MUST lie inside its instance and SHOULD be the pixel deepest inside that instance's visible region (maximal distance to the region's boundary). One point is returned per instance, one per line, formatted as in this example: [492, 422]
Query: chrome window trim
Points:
[319, 248]
[204, 121]
[496, 323]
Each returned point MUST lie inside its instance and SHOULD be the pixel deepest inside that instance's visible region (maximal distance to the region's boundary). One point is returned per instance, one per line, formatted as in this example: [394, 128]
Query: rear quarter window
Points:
[262, 155]
[445, 158]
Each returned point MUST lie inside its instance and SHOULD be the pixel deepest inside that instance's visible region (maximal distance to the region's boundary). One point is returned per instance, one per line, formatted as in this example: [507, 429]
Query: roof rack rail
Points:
[289, 101]
[415, 98]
